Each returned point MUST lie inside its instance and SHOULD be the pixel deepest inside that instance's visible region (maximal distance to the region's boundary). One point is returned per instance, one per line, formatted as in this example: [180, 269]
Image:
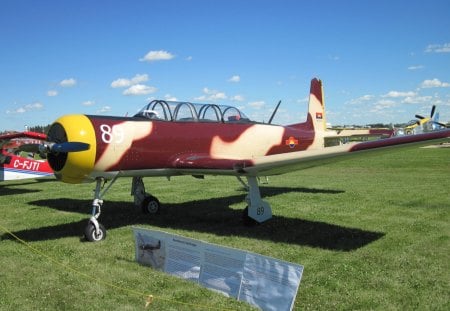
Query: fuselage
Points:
[128, 144]
[15, 167]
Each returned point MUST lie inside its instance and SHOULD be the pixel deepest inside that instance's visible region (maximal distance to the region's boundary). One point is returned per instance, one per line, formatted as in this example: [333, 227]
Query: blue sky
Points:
[380, 61]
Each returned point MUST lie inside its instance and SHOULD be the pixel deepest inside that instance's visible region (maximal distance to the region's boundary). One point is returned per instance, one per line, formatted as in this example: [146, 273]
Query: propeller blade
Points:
[54, 147]
[418, 116]
[439, 123]
[69, 147]
[432, 111]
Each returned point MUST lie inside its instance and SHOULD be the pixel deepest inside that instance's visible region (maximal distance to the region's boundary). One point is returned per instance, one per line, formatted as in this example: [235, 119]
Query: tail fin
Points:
[316, 107]
[315, 121]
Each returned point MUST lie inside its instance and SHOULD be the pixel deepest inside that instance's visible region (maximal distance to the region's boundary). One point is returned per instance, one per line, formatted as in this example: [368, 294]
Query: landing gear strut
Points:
[257, 210]
[95, 231]
[148, 203]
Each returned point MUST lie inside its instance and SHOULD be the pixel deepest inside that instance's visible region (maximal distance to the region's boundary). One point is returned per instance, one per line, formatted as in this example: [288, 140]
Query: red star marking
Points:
[291, 142]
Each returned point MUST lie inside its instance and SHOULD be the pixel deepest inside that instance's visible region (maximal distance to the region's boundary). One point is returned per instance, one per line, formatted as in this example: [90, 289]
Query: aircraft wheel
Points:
[91, 235]
[150, 205]
[247, 220]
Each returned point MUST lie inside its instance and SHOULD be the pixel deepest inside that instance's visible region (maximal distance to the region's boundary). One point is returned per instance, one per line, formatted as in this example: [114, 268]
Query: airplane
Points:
[16, 167]
[337, 136]
[423, 124]
[181, 138]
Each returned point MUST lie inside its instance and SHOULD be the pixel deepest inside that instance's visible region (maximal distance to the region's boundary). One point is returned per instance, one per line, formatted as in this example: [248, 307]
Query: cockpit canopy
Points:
[191, 112]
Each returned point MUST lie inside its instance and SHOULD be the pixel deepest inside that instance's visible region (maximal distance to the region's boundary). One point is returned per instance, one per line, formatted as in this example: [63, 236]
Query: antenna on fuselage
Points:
[274, 112]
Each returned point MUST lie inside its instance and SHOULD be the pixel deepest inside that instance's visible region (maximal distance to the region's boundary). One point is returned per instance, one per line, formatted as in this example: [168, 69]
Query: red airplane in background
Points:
[181, 138]
[16, 167]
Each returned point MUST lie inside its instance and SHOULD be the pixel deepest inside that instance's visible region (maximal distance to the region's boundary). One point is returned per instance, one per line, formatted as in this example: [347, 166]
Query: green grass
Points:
[372, 233]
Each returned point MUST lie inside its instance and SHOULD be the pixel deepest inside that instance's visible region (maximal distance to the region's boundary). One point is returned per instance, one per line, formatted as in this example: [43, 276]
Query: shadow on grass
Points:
[6, 190]
[212, 216]
[10, 187]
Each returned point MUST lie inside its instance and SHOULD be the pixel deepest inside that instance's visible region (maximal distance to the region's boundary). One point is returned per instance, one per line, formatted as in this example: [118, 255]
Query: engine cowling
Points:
[73, 167]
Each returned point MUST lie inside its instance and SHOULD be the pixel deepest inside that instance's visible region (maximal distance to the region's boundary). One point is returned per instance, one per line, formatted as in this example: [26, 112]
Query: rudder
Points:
[316, 106]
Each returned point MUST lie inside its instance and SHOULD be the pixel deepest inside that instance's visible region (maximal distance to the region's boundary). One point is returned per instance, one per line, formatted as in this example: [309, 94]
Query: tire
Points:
[150, 205]
[91, 236]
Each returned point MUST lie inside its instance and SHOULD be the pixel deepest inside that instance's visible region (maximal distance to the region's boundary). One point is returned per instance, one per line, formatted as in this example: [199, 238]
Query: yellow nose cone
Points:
[73, 167]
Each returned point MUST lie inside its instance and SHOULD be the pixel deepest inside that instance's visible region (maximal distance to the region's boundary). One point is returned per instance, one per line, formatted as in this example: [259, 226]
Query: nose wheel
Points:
[95, 231]
[92, 234]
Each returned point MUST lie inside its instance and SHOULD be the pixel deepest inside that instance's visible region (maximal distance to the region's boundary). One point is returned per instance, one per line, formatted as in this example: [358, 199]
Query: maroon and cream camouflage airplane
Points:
[180, 138]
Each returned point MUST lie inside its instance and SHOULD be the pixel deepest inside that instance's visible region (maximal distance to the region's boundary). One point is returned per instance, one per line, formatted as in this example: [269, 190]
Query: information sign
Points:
[265, 282]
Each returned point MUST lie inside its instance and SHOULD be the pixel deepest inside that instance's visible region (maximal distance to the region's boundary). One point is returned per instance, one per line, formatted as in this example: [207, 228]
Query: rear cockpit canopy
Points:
[191, 112]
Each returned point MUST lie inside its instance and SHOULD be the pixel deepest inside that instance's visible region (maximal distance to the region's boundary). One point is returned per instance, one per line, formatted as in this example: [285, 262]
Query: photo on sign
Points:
[150, 251]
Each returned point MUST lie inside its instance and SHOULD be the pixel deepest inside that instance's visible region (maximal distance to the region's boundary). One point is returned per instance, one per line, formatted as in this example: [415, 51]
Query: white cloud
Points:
[88, 103]
[120, 83]
[396, 94]
[36, 106]
[257, 104]
[134, 85]
[438, 48]
[26, 108]
[104, 109]
[235, 79]
[218, 96]
[68, 82]
[211, 95]
[123, 82]
[434, 83]
[365, 98]
[334, 57]
[52, 93]
[383, 105]
[189, 58]
[169, 97]
[139, 89]
[417, 67]
[361, 100]
[417, 99]
[303, 100]
[154, 56]
[237, 98]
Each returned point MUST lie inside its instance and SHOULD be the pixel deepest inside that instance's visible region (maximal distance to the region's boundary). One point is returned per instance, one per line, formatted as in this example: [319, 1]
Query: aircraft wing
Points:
[199, 164]
[204, 163]
[26, 134]
[359, 132]
[287, 162]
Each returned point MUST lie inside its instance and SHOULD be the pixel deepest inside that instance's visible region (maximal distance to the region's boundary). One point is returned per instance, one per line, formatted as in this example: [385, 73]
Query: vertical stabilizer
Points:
[316, 114]
[316, 121]
[316, 107]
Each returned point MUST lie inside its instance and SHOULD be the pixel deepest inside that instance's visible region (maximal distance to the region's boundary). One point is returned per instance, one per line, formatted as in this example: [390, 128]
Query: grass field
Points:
[372, 232]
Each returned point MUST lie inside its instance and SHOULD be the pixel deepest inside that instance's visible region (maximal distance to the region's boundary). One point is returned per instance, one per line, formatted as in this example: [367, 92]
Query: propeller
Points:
[433, 110]
[440, 123]
[55, 147]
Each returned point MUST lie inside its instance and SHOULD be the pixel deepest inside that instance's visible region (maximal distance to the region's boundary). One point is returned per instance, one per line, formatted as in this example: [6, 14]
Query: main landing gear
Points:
[149, 204]
[257, 210]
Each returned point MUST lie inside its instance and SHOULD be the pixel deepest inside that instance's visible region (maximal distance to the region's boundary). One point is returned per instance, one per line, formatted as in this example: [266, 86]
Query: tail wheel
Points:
[91, 235]
[150, 205]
